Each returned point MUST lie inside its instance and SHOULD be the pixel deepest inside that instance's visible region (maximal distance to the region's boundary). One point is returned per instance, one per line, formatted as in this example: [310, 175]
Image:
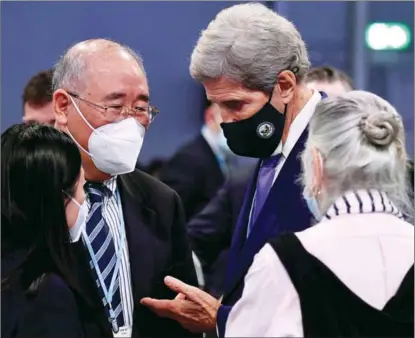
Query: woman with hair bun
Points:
[351, 274]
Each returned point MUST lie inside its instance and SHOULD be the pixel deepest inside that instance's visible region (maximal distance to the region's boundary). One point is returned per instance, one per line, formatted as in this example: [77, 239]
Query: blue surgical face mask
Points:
[312, 205]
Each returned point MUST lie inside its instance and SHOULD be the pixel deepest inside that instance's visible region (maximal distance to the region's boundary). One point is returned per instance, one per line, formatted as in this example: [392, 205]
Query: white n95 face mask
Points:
[114, 147]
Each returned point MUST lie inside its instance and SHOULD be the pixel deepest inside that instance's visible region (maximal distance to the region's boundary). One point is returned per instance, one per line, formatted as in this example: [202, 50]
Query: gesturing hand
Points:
[193, 308]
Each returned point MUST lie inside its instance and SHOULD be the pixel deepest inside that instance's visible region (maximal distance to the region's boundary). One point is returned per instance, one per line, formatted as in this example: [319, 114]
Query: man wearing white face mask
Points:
[200, 167]
[134, 232]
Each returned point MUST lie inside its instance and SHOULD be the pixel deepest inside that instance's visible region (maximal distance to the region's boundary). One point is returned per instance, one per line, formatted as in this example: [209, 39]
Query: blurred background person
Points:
[155, 167]
[330, 80]
[42, 189]
[37, 99]
[352, 274]
[200, 167]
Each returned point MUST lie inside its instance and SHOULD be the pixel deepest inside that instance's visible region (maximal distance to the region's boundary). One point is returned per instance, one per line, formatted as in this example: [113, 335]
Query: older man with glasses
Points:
[134, 233]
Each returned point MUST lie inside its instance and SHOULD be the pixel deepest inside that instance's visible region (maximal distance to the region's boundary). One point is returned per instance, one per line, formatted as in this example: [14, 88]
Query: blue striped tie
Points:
[102, 243]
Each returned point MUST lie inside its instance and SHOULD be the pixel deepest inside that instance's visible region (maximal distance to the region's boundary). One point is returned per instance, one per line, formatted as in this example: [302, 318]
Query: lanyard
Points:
[108, 294]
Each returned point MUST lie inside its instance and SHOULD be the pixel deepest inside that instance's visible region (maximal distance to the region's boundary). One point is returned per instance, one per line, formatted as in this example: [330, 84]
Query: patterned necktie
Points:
[263, 186]
[102, 243]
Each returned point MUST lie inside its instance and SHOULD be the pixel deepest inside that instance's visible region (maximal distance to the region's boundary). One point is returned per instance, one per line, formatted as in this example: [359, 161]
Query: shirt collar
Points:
[362, 202]
[298, 125]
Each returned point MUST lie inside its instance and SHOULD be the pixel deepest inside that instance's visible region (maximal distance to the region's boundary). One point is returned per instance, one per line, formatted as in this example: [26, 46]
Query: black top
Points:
[330, 309]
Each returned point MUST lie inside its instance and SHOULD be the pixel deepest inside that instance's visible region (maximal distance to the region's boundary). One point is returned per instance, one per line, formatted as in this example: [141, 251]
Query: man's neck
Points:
[92, 174]
[301, 97]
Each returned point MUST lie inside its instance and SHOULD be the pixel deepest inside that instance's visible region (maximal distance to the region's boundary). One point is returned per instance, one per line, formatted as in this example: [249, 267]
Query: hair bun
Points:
[379, 129]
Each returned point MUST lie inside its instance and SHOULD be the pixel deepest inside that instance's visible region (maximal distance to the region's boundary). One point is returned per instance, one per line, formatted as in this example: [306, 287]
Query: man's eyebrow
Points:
[114, 96]
[119, 95]
[143, 97]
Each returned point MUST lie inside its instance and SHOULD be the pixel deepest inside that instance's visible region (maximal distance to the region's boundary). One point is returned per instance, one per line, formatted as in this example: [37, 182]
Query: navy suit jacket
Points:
[158, 246]
[284, 210]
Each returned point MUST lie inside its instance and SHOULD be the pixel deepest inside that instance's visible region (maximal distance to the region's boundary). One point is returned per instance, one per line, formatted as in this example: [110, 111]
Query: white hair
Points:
[250, 44]
[360, 137]
[69, 70]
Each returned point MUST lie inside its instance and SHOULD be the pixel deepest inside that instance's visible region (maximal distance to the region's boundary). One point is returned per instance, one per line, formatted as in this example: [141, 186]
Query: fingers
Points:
[178, 286]
[180, 296]
[192, 293]
[156, 304]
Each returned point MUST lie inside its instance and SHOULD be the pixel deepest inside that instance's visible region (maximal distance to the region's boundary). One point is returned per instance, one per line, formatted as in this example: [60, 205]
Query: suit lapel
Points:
[266, 221]
[239, 236]
[139, 221]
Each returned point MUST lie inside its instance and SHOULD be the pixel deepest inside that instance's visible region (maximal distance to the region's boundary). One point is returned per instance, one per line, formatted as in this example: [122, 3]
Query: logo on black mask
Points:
[265, 130]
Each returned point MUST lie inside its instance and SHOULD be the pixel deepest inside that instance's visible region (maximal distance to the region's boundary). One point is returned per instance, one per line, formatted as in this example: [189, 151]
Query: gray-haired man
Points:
[253, 64]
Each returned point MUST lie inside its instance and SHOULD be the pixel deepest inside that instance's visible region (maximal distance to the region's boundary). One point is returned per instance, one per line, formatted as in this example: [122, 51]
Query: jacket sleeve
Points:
[222, 318]
[182, 267]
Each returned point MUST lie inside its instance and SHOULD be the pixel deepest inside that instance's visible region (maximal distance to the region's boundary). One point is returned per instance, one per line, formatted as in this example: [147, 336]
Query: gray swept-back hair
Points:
[360, 137]
[69, 70]
[250, 44]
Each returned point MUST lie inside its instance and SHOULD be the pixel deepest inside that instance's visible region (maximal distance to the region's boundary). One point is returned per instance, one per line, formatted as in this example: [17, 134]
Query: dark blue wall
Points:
[35, 34]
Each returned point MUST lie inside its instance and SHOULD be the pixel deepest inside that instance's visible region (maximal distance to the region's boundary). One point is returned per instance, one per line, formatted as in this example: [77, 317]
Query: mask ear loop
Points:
[73, 199]
[87, 123]
[82, 115]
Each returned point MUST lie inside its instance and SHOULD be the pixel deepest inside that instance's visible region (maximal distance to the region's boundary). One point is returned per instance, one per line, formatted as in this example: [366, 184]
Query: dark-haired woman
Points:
[41, 196]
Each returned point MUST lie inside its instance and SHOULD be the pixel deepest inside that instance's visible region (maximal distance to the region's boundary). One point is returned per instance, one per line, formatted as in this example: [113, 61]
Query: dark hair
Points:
[329, 74]
[38, 91]
[38, 163]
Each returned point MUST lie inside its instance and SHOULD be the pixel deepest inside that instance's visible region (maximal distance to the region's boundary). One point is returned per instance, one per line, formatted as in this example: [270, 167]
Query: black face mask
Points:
[257, 136]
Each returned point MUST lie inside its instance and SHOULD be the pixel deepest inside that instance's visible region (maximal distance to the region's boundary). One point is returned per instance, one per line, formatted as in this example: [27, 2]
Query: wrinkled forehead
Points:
[115, 73]
[223, 90]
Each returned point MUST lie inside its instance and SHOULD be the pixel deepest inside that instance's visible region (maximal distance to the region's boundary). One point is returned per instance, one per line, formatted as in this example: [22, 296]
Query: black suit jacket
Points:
[158, 246]
[194, 173]
[211, 230]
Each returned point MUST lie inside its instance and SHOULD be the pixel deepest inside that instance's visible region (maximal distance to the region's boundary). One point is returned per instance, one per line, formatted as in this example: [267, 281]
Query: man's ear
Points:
[286, 84]
[61, 102]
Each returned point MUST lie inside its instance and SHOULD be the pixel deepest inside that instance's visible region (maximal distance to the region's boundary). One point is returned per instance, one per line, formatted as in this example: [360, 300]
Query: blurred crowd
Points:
[290, 213]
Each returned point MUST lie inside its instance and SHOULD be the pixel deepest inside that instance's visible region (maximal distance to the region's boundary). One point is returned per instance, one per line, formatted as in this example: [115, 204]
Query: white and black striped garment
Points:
[362, 202]
[113, 215]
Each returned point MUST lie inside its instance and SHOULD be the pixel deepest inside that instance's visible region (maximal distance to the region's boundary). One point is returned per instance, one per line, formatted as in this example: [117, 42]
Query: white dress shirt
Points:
[297, 127]
[113, 215]
[369, 252]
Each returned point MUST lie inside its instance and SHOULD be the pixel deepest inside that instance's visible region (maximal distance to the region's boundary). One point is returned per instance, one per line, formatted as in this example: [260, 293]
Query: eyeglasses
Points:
[115, 112]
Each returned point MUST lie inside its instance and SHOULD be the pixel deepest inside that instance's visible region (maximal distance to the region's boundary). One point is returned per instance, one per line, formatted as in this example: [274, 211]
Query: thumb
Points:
[178, 286]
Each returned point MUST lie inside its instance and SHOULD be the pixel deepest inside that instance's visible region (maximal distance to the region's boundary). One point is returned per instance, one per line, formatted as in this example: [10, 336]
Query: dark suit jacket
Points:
[194, 173]
[158, 246]
[211, 230]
